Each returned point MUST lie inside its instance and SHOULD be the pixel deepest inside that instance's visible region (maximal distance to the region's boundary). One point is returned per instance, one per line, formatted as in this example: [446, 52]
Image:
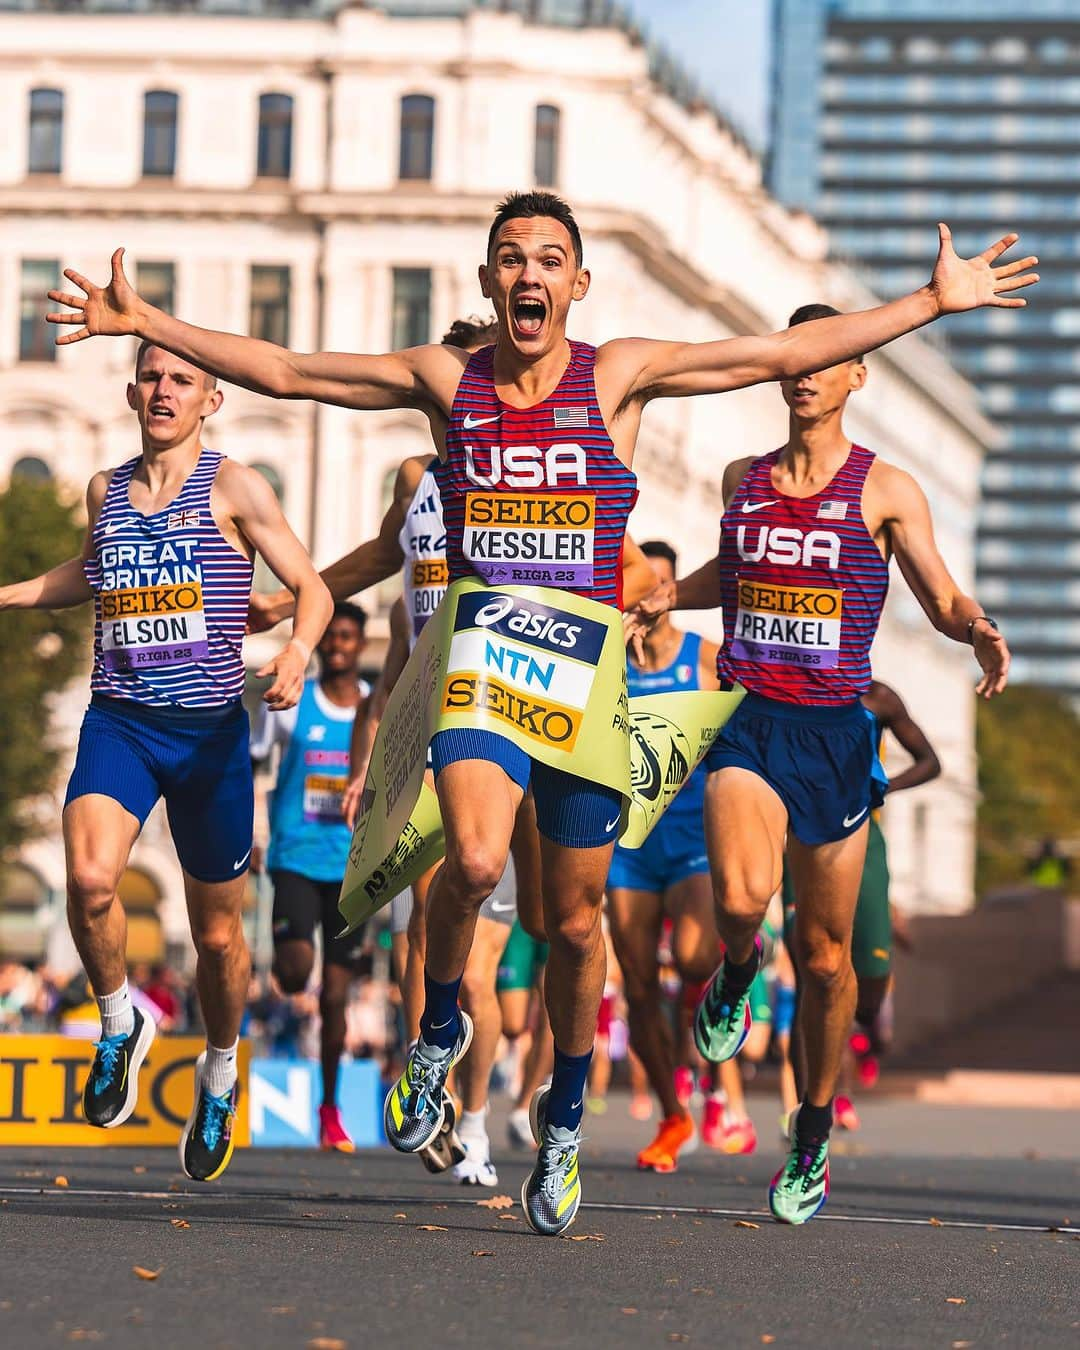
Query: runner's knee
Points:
[217, 936]
[577, 932]
[293, 971]
[473, 873]
[91, 887]
[739, 898]
[826, 961]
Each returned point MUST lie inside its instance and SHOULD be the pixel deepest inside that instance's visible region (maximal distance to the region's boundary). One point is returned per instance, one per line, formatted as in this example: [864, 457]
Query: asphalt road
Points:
[919, 1247]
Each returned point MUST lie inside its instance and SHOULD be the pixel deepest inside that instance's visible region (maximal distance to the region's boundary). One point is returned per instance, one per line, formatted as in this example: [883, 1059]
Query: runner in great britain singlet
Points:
[165, 718]
[536, 496]
[803, 587]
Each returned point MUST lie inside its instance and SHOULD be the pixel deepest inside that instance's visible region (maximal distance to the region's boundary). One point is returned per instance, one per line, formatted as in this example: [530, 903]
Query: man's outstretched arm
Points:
[397, 380]
[677, 369]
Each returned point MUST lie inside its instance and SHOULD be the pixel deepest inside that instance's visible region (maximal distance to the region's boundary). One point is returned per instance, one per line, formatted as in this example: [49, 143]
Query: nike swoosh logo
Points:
[502, 909]
[574, 1105]
[438, 1026]
[857, 816]
[114, 525]
[471, 421]
[611, 825]
[237, 865]
[748, 509]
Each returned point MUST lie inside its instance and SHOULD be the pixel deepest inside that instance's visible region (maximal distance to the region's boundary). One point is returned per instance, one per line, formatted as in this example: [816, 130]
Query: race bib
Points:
[325, 775]
[430, 579]
[151, 605]
[542, 539]
[788, 625]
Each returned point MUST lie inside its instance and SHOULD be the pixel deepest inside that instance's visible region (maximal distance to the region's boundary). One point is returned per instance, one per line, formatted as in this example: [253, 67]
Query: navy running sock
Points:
[441, 1022]
[564, 1103]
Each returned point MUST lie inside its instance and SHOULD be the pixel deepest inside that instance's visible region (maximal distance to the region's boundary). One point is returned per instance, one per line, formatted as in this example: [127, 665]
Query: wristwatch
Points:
[972, 622]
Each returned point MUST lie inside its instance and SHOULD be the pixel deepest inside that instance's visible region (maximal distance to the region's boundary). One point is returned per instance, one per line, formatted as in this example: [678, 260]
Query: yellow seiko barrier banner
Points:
[41, 1084]
[545, 669]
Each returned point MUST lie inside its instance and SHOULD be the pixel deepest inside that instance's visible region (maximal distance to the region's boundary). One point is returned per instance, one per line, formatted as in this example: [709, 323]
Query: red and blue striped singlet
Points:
[535, 496]
[803, 586]
[170, 598]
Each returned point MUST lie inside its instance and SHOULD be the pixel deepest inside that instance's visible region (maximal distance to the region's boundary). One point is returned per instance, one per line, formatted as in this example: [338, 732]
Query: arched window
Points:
[546, 146]
[160, 108]
[31, 468]
[46, 131]
[417, 137]
[275, 136]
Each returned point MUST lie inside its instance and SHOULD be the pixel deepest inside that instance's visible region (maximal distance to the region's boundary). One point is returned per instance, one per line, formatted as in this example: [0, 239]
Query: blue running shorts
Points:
[674, 850]
[818, 760]
[199, 763]
[570, 811]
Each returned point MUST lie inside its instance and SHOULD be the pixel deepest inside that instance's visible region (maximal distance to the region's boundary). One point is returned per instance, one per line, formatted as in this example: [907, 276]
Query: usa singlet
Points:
[535, 496]
[803, 586]
[423, 542]
[170, 598]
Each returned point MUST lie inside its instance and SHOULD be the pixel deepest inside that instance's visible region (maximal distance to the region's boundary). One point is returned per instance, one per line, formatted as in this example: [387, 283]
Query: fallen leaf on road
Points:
[145, 1274]
[401, 1216]
[309, 1215]
[85, 1334]
[494, 1202]
[139, 1171]
[431, 1228]
[508, 1218]
[935, 1223]
[630, 1312]
[438, 1206]
[326, 1343]
[961, 1345]
[956, 1300]
[180, 1223]
[677, 1336]
[745, 1223]
[587, 1237]
[767, 1340]
[483, 1253]
[60, 1181]
[283, 1308]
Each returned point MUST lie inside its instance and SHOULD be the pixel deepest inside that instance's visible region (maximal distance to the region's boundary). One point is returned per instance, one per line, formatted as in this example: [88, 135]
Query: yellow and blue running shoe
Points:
[415, 1107]
[723, 1018]
[551, 1193]
[206, 1144]
[801, 1187]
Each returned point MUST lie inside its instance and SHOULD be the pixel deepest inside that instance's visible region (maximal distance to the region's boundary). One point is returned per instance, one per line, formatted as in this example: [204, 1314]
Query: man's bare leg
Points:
[525, 847]
[482, 1004]
[745, 825]
[223, 964]
[412, 979]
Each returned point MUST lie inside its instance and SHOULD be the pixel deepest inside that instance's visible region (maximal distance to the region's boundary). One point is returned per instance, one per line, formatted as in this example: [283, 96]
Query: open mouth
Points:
[160, 413]
[529, 314]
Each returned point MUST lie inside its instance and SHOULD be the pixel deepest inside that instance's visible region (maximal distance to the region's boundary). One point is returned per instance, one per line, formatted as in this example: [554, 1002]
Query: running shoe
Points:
[739, 1137]
[845, 1114]
[641, 1107]
[206, 1144]
[801, 1187]
[476, 1168]
[714, 1122]
[112, 1086]
[414, 1109]
[684, 1084]
[662, 1155]
[519, 1131]
[551, 1193]
[721, 1022]
[446, 1150]
[332, 1132]
[869, 1071]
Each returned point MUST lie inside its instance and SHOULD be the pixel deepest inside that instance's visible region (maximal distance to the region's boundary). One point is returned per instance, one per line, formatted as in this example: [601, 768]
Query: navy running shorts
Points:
[819, 761]
[570, 811]
[674, 850]
[198, 762]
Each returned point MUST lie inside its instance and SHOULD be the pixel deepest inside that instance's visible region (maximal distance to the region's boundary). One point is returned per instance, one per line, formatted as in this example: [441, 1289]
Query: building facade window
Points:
[275, 136]
[417, 157]
[269, 316]
[546, 146]
[45, 151]
[160, 109]
[35, 337]
[156, 283]
[32, 468]
[411, 308]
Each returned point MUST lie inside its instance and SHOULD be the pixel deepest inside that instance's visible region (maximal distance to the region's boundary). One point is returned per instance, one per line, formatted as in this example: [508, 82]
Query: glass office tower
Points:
[889, 115]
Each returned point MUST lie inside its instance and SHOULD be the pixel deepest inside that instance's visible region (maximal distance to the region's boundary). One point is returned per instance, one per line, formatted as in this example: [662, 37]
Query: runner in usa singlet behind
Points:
[536, 440]
[168, 557]
[806, 539]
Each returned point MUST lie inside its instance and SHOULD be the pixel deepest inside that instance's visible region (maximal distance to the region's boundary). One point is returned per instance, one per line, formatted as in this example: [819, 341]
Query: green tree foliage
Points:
[1029, 778]
[39, 651]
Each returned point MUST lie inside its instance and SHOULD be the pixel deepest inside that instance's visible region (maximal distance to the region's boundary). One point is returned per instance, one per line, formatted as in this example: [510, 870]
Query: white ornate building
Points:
[326, 179]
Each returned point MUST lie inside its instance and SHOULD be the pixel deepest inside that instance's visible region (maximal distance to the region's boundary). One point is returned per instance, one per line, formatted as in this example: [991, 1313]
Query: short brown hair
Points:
[144, 347]
[526, 205]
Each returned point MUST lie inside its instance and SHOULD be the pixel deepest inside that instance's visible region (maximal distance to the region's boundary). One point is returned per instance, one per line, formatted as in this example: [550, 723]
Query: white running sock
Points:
[473, 1124]
[219, 1069]
[117, 1012]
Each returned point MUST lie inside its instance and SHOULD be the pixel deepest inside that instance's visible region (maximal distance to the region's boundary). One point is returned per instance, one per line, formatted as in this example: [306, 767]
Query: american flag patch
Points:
[182, 520]
[565, 418]
[832, 511]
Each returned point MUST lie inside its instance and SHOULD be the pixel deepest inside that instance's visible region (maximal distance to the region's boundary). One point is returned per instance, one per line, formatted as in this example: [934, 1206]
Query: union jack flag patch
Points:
[565, 418]
[182, 520]
[832, 511]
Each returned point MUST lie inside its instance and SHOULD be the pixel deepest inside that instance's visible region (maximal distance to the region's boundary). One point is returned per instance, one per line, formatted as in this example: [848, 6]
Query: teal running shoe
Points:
[207, 1140]
[415, 1107]
[551, 1193]
[722, 1021]
[801, 1187]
